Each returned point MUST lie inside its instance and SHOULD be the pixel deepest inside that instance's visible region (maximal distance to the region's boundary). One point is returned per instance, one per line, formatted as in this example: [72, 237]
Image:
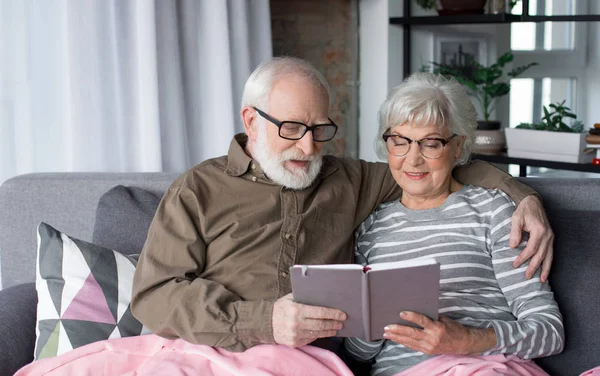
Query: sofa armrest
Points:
[18, 311]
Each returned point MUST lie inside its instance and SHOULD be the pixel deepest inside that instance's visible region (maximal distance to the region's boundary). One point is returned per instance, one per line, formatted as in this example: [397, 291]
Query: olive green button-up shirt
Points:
[224, 236]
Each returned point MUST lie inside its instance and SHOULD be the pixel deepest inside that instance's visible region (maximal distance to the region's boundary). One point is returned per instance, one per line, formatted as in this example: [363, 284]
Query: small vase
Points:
[489, 138]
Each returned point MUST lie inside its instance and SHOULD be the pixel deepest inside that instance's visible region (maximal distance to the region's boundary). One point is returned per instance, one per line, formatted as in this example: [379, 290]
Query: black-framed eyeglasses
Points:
[429, 147]
[294, 130]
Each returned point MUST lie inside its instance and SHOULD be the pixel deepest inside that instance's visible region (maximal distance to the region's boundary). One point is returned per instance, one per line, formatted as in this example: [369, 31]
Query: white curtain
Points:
[124, 85]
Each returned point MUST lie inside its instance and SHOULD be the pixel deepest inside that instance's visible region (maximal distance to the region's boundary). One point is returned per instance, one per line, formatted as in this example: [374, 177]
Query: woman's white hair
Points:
[260, 83]
[426, 99]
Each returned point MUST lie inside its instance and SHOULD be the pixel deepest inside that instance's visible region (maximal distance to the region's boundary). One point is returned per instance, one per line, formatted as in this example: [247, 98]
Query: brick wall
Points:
[324, 32]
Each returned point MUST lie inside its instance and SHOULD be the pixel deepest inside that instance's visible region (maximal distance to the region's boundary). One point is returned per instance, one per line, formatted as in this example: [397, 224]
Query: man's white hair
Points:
[260, 83]
[429, 99]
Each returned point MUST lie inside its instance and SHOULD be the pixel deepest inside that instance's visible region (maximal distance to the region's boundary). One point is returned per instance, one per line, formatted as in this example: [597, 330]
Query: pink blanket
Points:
[153, 355]
[491, 365]
[592, 372]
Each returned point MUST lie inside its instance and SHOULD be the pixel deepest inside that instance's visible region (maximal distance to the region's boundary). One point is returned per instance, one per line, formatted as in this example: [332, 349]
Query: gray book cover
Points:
[373, 296]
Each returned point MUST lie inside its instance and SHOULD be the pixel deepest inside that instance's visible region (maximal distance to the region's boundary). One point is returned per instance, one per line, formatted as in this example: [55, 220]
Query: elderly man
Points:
[214, 269]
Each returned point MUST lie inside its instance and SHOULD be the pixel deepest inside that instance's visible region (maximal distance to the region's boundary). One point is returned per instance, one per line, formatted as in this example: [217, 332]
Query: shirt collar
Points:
[239, 162]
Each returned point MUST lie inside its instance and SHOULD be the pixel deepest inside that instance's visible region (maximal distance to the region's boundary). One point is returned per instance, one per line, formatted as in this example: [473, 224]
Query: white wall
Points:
[373, 72]
[381, 66]
[592, 71]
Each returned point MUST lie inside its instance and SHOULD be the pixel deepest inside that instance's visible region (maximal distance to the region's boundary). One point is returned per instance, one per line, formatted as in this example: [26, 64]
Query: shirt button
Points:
[253, 166]
[284, 274]
[287, 235]
[254, 178]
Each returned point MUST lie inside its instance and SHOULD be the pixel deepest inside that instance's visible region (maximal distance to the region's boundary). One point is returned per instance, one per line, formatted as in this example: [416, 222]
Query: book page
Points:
[333, 266]
[332, 287]
[402, 264]
[413, 288]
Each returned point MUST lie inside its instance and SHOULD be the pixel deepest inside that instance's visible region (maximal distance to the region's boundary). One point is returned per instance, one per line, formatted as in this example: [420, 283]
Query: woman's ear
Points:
[249, 118]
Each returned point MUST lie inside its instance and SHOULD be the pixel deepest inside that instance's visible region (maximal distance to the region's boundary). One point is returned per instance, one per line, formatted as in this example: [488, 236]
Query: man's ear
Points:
[249, 118]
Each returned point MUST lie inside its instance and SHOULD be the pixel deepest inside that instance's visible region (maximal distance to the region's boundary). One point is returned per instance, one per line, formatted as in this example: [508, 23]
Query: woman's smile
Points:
[416, 175]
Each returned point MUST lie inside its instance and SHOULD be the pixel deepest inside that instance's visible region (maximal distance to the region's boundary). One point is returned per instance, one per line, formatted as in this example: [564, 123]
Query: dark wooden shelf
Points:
[458, 19]
[576, 18]
[488, 19]
[524, 162]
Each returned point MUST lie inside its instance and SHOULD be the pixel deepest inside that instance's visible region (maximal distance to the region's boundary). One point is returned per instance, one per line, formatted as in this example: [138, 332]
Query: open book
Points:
[371, 296]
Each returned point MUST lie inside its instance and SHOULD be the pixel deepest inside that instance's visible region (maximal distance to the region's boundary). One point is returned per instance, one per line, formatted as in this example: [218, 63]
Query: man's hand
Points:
[530, 217]
[440, 337]
[296, 324]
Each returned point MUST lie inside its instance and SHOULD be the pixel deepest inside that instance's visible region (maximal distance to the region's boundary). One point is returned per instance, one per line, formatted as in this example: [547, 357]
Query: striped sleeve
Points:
[362, 243]
[359, 349]
[538, 330]
[363, 350]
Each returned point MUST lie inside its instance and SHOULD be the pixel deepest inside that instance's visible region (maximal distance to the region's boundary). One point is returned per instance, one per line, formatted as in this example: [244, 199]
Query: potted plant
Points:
[485, 85]
[551, 139]
[452, 7]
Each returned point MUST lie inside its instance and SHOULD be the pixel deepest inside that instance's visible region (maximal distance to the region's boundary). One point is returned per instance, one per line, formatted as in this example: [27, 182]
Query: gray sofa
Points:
[69, 201]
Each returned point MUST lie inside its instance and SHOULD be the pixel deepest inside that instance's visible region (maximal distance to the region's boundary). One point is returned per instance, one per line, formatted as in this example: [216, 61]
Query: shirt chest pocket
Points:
[323, 220]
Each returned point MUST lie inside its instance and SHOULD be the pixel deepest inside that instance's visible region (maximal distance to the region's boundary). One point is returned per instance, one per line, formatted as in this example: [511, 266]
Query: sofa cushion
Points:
[17, 327]
[84, 291]
[123, 217]
[574, 280]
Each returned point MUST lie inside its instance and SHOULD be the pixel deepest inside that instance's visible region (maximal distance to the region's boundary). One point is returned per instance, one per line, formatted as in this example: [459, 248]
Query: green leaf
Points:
[505, 59]
[565, 128]
[577, 126]
[546, 113]
[497, 90]
[525, 126]
[427, 4]
[518, 70]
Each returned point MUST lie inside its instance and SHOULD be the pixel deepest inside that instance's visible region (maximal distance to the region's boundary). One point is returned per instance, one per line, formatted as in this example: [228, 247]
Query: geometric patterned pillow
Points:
[84, 292]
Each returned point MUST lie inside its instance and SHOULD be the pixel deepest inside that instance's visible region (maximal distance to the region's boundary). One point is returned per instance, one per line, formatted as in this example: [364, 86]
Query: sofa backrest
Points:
[573, 208]
[66, 201]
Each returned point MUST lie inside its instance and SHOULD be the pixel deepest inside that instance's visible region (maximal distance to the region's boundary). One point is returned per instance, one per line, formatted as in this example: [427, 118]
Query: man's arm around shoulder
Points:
[529, 216]
[488, 176]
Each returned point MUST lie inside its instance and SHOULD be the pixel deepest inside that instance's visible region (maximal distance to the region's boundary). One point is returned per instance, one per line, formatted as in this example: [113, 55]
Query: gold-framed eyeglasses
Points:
[429, 147]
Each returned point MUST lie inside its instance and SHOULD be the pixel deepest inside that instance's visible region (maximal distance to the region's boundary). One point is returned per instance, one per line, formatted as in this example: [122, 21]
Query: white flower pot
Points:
[548, 146]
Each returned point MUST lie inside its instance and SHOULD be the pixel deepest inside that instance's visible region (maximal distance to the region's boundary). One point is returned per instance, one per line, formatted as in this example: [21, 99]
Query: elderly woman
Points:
[427, 127]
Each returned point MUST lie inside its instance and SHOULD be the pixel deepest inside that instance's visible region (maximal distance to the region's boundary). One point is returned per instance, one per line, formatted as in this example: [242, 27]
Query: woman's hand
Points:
[440, 337]
[530, 217]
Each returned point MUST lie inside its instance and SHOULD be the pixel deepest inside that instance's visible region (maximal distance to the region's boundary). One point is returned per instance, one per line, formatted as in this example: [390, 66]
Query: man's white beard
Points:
[273, 164]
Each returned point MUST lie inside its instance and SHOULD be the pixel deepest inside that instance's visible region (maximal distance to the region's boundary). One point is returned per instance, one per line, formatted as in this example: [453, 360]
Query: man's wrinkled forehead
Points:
[316, 89]
[299, 98]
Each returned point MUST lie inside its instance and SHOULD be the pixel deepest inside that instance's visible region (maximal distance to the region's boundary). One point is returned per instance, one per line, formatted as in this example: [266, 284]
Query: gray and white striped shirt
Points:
[468, 235]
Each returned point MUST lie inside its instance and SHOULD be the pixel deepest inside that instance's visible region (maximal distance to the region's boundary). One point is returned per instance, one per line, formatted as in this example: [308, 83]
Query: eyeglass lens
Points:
[429, 148]
[323, 132]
